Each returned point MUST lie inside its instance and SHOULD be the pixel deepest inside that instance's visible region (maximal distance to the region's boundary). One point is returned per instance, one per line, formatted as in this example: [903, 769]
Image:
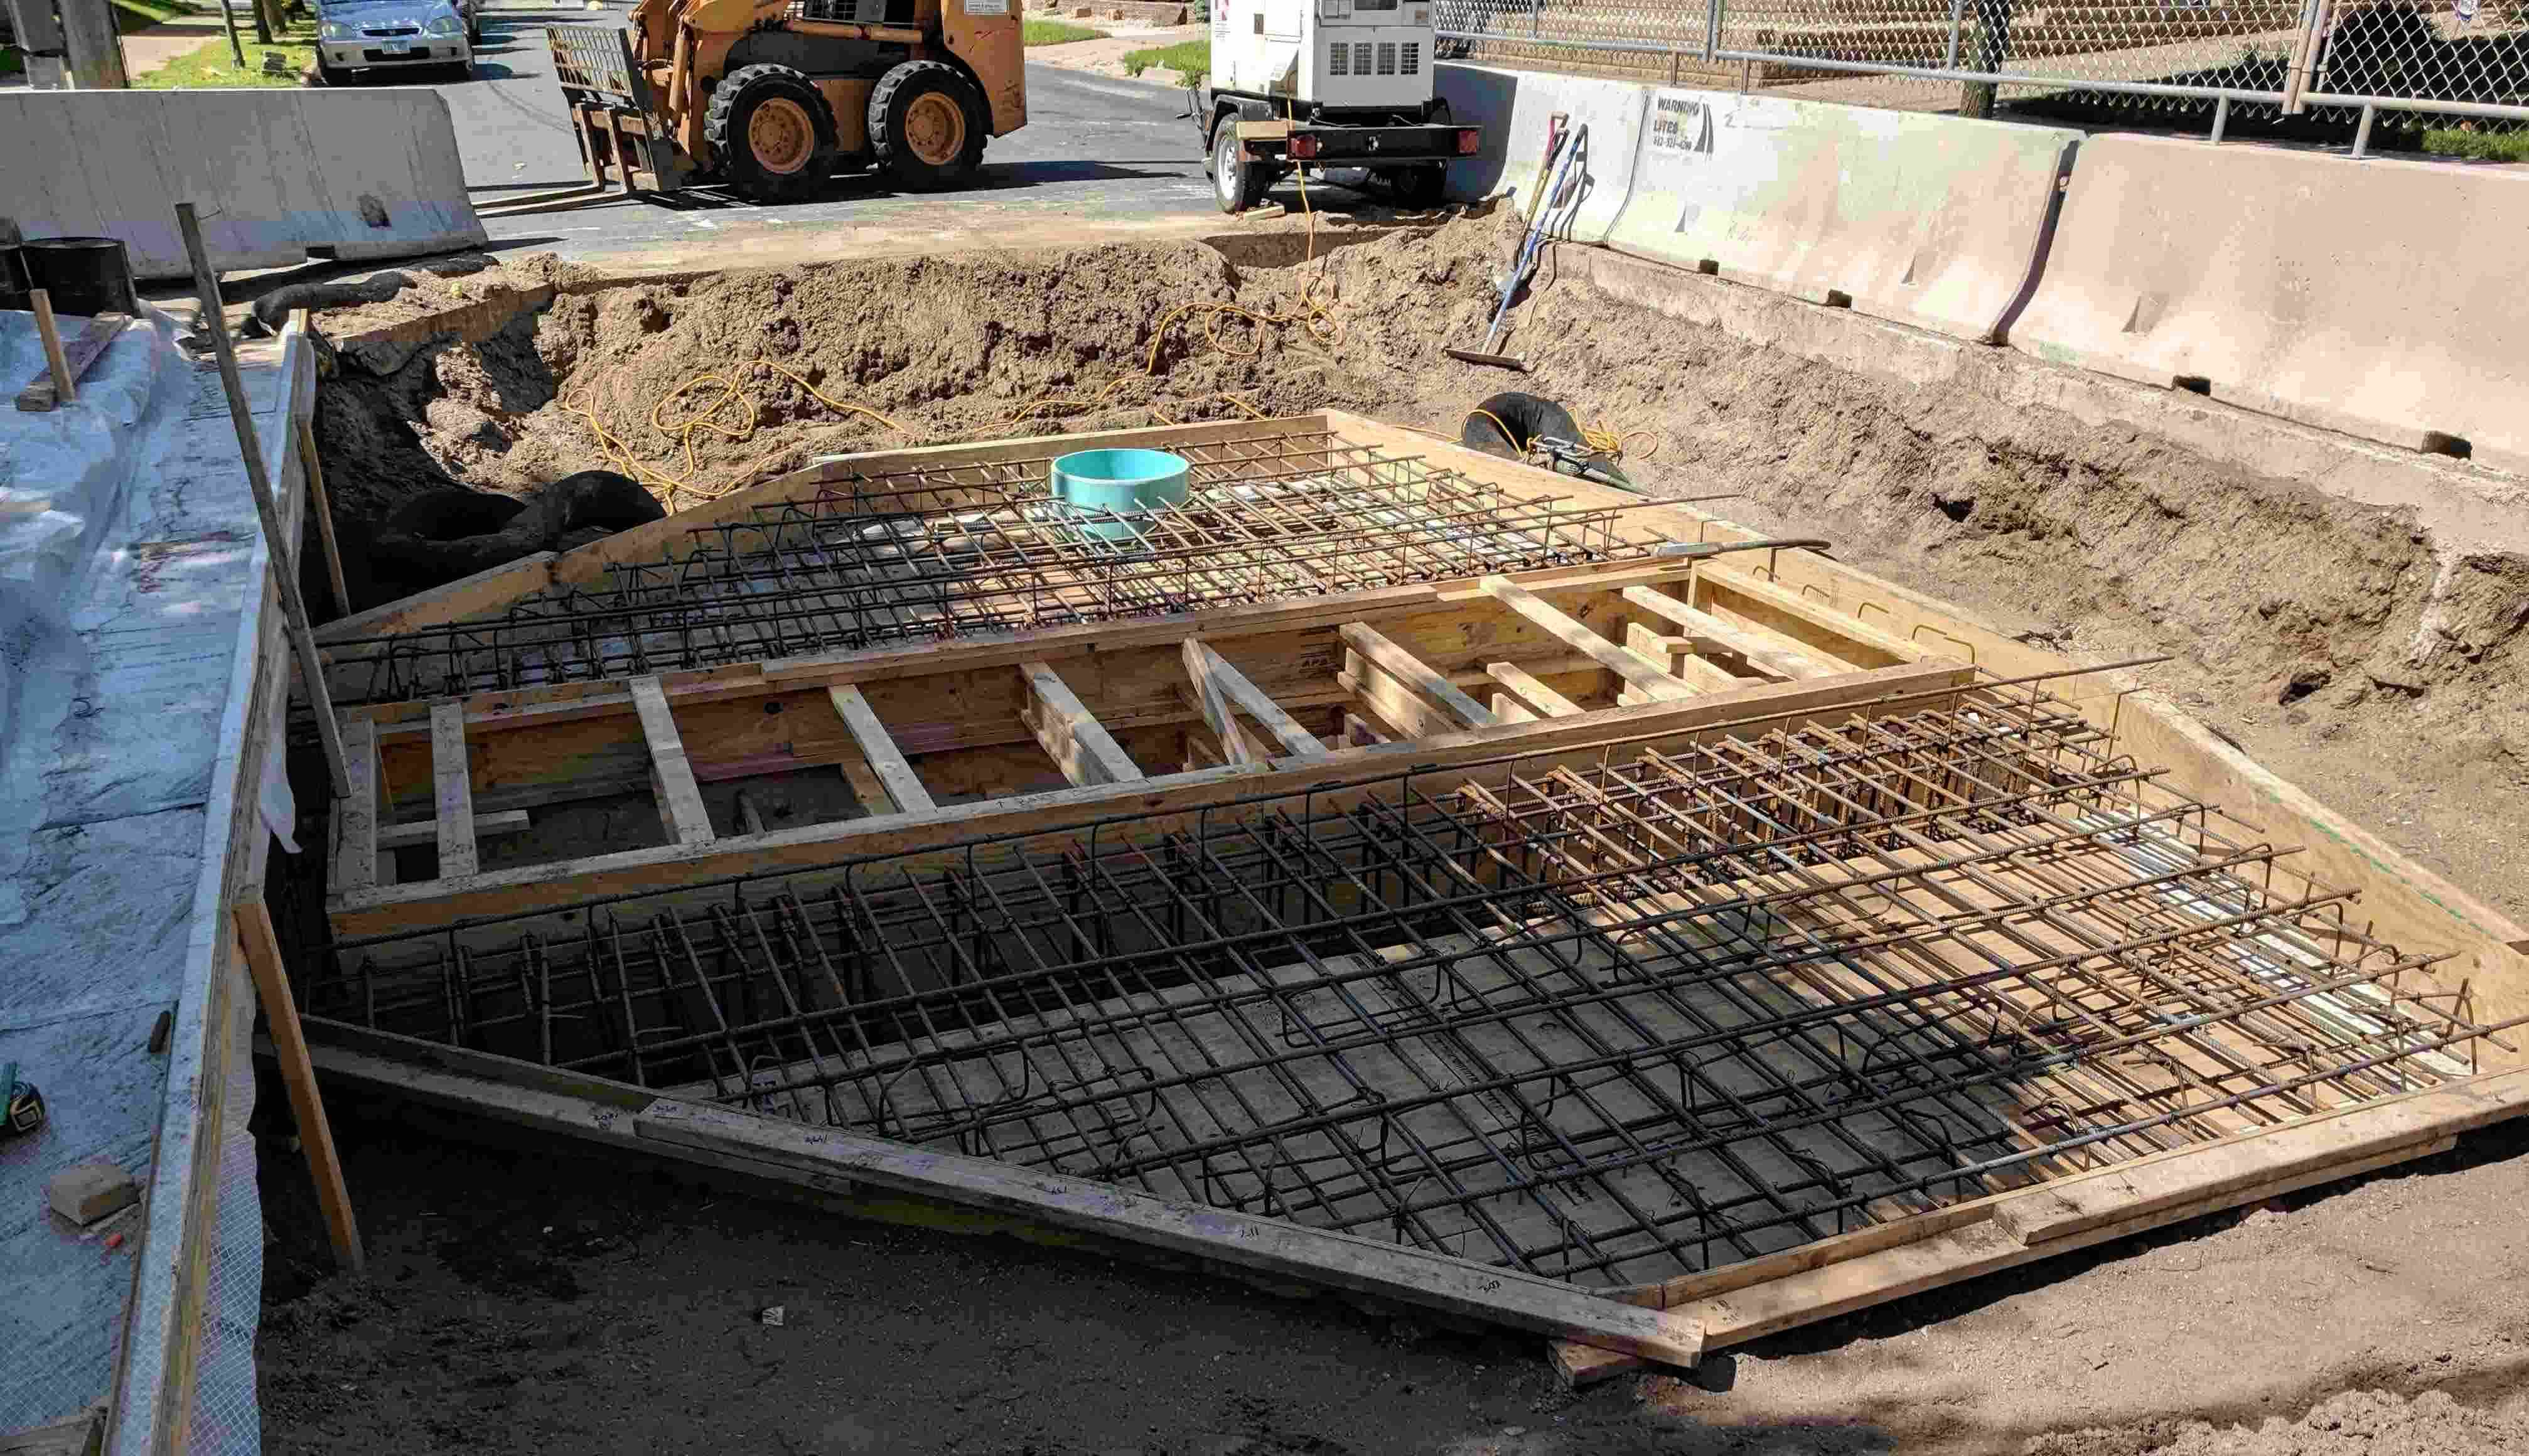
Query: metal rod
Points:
[2362, 133]
[277, 547]
[1608, 1022]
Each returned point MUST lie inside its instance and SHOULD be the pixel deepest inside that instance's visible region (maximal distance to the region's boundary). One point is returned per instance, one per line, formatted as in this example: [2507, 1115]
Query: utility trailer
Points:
[1320, 85]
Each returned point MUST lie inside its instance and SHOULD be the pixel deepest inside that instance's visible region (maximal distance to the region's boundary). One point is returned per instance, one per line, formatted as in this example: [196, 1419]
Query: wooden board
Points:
[452, 791]
[1541, 699]
[1648, 677]
[1078, 743]
[388, 908]
[398, 835]
[680, 799]
[894, 788]
[355, 817]
[1389, 1270]
[1413, 674]
[77, 356]
[263, 951]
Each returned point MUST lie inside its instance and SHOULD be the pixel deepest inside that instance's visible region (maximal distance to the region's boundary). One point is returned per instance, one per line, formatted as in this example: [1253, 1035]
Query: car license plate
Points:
[397, 47]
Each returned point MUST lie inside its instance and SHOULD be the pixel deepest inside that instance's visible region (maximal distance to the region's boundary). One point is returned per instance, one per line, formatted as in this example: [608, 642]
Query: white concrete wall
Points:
[1929, 219]
[276, 173]
[1513, 107]
[2382, 298]
[1934, 221]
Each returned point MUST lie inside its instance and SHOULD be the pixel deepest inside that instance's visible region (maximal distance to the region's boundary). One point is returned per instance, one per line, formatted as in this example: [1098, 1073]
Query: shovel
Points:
[1565, 146]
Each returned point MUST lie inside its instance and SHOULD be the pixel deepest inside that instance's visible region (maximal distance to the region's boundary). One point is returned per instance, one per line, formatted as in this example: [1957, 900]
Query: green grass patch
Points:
[1056, 33]
[1191, 60]
[10, 63]
[2489, 146]
[211, 68]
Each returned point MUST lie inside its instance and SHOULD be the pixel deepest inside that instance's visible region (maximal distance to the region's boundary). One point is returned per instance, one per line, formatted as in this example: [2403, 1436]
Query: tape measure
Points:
[21, 1106]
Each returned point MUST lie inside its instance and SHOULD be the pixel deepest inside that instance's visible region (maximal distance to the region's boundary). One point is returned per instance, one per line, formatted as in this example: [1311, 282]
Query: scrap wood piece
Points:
[76, 356]
[900, 789]
[1072, 735]
[252, 923]
[1219, 687]
[1396, 1271]
[1541, 699]
[452, 791]
[426, 832]
[1412, 672]
[1638, 672]
[1767, 650]
[355, 814]
[680, 799]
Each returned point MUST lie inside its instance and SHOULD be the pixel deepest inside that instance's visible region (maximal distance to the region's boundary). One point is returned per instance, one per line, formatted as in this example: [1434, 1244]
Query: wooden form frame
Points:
[1401, 674]
[1793, 631]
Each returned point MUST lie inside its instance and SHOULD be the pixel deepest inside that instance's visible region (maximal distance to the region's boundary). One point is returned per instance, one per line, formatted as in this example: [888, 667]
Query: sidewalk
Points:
[152, 47]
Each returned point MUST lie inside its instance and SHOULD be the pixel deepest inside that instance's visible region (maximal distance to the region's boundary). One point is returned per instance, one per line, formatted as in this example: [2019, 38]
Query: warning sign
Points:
[1681, 124]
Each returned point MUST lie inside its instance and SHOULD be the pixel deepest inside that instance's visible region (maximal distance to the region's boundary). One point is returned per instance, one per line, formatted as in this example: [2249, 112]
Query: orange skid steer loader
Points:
[770, 97]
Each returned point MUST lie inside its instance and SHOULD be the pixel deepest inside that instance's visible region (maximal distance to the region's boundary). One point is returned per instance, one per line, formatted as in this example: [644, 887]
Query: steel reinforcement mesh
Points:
[1661, 1010]
[872, 561]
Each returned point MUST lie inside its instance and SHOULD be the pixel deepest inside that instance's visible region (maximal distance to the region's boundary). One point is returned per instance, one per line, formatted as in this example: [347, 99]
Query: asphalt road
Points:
[1095, 151]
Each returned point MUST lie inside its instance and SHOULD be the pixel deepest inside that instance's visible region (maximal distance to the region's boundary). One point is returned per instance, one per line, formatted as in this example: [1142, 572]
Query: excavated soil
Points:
[2336, 642]
[544, 1301]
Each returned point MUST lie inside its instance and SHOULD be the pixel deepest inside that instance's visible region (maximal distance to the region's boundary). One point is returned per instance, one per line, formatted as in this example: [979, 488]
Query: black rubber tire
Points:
[1525, 416]
[1245, 183]
[1528, 418]
[453, 514]
[597, 500]
[1417, 186]
[892, 99]
[733, 103]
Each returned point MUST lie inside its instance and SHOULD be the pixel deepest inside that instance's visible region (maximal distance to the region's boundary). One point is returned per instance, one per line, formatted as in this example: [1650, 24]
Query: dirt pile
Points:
[2337, 641]
[2355, 1422]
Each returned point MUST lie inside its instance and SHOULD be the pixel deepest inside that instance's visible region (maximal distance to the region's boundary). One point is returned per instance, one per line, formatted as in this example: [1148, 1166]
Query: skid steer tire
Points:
[927, 126]
[770, 133]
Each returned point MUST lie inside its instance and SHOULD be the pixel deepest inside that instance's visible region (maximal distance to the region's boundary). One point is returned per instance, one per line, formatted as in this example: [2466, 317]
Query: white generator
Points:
[1324, 84]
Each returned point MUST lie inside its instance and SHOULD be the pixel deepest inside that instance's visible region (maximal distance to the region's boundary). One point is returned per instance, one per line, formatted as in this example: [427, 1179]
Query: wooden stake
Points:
[285, 572]
[263, 951]
[65, 388]
[324, 508]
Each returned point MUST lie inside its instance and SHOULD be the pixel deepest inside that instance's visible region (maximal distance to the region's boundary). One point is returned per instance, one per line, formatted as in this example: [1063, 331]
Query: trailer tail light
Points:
[1469, 139]
[1304, 145]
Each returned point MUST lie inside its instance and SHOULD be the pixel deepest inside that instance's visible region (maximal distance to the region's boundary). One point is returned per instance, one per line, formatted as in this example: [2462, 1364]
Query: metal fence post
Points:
[2362, 133]
[1993, 48]
[2221, 118]
[1712, 31]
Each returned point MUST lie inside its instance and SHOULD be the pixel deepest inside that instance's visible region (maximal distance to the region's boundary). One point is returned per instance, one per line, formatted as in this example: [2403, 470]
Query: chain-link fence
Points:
[2449, 75]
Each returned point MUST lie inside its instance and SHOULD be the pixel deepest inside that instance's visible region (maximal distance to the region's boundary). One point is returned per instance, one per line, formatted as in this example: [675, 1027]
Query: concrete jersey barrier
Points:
[1934, 221]
[279, 174]
[1514, 108]
[2381, 299]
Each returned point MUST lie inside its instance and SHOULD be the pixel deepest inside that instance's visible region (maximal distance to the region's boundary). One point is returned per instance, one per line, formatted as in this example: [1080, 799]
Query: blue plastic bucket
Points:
[1121, 481]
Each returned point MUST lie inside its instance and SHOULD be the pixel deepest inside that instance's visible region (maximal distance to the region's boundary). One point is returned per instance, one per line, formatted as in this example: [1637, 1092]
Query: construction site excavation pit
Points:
[1653, 918]
[2350, 615]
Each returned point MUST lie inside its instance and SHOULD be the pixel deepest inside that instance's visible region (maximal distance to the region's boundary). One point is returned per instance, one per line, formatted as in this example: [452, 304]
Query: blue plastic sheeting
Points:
[130, 570]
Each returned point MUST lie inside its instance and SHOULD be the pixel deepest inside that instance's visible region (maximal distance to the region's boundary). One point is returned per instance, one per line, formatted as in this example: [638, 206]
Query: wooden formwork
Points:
[1673, 632]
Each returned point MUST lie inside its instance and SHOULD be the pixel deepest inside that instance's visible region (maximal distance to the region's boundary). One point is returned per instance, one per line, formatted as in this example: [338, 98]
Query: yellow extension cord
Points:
[655, 475]
[1608, 443]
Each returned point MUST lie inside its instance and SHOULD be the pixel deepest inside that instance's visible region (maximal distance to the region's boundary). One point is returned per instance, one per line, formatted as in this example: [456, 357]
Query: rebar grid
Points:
[1666, 1011]
[950, 552]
